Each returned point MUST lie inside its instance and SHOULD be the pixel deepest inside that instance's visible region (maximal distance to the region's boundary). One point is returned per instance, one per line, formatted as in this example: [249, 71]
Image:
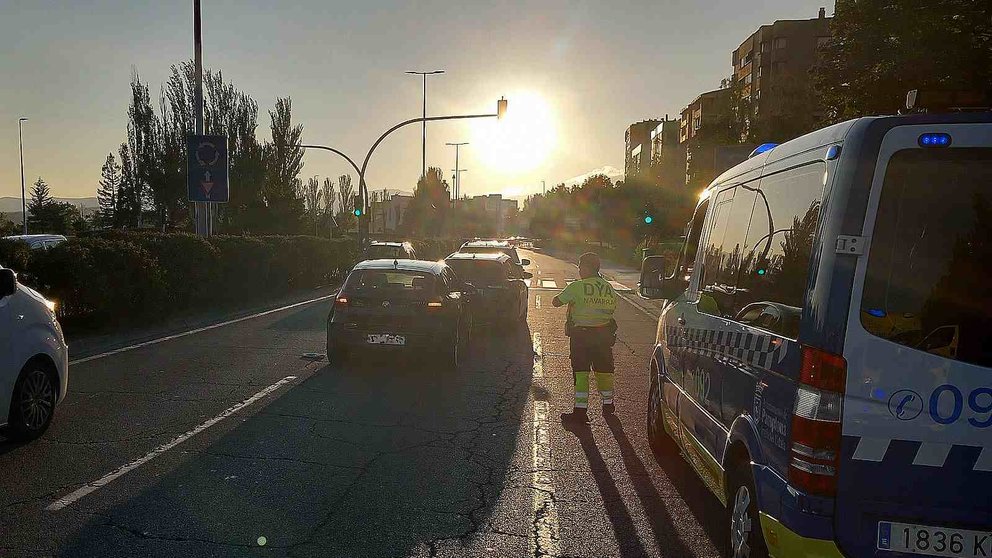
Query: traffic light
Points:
[648, 219]
[501, 108]
[356, 202]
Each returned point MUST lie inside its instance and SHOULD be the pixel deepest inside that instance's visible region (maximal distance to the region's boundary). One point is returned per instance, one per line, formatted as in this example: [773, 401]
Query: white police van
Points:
[824, 359]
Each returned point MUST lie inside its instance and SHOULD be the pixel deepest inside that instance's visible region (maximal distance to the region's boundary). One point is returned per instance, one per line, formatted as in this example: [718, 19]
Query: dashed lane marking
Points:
[537, 301]
[546, 538]
[91, 487]
[538, 357]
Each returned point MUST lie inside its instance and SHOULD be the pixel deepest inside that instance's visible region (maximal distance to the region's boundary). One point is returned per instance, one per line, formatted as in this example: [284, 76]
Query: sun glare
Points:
[522, 141]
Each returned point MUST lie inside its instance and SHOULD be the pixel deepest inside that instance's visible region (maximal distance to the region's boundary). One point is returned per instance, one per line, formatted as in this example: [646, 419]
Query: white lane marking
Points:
[195, 331]
[538, 356]
[537, 301]
[546, 540]
[549, 283]
[620, 287]
[88, 488]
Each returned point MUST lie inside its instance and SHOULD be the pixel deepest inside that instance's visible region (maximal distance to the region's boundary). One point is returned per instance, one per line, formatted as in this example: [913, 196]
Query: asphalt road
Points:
[226, 442]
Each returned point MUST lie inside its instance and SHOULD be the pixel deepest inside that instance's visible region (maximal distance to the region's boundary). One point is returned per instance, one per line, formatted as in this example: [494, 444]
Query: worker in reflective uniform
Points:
[592, 332]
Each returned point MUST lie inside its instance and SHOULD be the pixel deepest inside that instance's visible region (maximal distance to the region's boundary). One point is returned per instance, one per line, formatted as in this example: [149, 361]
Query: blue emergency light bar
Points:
[935, 140]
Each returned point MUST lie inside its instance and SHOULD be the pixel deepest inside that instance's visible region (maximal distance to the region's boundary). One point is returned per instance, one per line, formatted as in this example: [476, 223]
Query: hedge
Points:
[120, 278]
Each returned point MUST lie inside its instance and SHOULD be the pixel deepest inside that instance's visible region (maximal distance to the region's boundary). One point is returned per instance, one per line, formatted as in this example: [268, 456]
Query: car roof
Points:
[389, 243]
[401, 265]
[481, 257]
[487, 244]
[35, 237]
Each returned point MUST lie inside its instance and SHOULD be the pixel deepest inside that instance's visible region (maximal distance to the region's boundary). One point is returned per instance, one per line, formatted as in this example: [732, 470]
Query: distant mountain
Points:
[13, 205]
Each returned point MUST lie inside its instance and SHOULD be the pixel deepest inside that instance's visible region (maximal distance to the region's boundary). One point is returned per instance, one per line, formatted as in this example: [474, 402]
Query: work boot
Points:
[609, 409]
[577, 416]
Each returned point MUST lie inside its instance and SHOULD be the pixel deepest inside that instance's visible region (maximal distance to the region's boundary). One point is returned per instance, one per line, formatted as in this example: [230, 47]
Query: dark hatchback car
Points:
[500, 286]
[389, 305]
[380, 249]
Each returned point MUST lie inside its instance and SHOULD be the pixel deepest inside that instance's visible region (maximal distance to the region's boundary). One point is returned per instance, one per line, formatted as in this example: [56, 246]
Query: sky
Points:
[576, 74]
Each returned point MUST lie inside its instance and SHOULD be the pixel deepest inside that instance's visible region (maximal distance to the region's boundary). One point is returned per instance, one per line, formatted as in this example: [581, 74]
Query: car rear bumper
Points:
[793, 523]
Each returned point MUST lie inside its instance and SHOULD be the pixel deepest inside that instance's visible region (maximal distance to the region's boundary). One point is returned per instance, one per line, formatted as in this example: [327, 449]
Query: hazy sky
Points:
[579, 72]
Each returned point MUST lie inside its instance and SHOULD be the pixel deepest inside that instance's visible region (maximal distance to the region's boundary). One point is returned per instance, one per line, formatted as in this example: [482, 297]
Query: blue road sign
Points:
[206, 164]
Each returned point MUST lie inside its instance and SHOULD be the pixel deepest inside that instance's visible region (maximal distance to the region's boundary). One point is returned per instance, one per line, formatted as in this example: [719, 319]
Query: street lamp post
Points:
[458, 180]
[423, 152]
[363, 190]
[24, 200]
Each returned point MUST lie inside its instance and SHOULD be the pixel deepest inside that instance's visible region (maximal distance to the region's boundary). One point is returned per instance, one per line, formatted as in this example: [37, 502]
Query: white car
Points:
[34, 360]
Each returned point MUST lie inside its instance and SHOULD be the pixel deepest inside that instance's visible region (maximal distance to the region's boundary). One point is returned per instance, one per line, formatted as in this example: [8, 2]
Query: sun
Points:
[523, 140]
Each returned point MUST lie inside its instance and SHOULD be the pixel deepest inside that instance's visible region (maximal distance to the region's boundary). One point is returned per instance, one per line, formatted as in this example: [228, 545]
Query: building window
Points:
[781, 42]
[757, 95]
[747, 79]
[759, 71]
[764, 46]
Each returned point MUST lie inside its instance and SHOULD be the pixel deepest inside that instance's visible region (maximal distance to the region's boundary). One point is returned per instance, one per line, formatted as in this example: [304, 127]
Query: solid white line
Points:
[546, 540]
[88, 488]
[195, 331]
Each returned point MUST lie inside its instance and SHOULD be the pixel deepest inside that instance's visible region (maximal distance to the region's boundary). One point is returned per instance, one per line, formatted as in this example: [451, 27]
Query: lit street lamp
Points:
[423, 153]
[24, 200]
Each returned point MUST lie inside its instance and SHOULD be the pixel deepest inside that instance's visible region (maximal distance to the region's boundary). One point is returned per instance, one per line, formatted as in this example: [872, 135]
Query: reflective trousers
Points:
[591, 349]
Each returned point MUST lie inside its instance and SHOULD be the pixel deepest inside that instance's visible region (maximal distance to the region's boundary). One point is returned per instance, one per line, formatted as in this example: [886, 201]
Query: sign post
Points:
[206, 169]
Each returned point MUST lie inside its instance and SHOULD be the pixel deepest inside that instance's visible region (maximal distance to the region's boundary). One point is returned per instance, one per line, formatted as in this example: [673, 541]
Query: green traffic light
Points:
[358, 212]
[648, 219]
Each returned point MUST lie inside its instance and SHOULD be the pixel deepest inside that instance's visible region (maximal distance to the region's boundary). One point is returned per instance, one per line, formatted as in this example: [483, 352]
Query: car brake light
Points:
[341, 300]
[816, 422]
[434, 304]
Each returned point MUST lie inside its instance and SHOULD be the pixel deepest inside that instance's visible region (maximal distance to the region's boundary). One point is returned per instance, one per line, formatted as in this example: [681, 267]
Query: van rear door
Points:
[916, 466]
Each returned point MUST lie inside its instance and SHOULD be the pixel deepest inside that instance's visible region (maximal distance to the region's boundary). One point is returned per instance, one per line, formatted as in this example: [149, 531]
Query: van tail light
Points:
[816, 422]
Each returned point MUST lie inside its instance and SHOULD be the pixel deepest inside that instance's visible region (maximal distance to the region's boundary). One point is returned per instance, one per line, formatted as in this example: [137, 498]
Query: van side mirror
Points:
[8, 282]
[654, 284]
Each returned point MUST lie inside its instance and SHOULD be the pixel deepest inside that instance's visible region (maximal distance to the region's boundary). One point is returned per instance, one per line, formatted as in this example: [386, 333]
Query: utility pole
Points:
[544, 189]
[24, 198]
[201, 210]
[458, 177]
[423, 152]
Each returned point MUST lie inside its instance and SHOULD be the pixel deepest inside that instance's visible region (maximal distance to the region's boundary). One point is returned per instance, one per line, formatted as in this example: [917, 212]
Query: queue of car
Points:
[391, 301]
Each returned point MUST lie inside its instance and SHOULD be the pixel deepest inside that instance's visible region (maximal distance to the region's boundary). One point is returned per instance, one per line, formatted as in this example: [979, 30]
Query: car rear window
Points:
[384, 252]
[930, 265]
[390, 283]
[479, 272]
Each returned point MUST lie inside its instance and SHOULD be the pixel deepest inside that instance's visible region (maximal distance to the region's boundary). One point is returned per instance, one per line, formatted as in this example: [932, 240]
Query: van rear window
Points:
[929, 280]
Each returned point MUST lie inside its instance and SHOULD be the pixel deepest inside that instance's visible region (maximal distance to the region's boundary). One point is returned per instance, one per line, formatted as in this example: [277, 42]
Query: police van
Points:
[824, 357]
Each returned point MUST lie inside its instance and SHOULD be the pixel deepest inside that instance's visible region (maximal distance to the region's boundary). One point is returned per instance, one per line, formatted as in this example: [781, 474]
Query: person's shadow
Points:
[703, 505]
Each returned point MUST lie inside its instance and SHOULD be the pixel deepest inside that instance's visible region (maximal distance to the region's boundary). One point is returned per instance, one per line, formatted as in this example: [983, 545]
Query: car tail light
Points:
[341, 301]
[434, 304]
[816, 422]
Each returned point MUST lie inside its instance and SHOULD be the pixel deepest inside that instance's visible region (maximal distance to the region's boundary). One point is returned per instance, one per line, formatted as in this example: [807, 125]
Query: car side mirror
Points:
[8, 282]
[654, 284]
[527, 275]
[524, 261]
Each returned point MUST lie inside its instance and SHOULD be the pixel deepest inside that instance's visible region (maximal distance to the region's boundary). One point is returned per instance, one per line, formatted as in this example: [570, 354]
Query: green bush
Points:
[101, 280]
[119, 277]
[15, 255]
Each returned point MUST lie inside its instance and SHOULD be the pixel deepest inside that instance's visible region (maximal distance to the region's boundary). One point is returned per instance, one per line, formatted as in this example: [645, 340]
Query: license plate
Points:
[386, 339]
[933, 541]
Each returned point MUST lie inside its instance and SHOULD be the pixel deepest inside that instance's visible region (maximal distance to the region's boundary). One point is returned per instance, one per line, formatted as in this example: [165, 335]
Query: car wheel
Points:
[658, 437]
[746, 539]
[32, 406]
